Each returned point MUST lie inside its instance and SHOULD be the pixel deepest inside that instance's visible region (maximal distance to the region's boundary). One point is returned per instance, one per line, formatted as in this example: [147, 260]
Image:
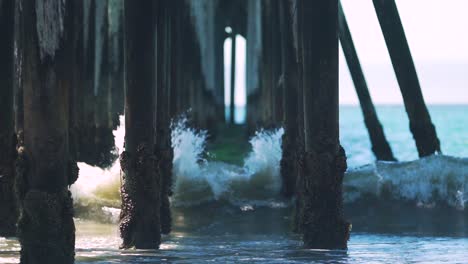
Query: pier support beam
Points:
[322, 221]
[163, 152]
[116, 53]
[290, 101]
[103, 138]
[266, 72]
[75, 95]
[421, 126]
[8, 212]
[44, 170]
[86, 128]
[380, 146]
[232, 105]
[140, 215]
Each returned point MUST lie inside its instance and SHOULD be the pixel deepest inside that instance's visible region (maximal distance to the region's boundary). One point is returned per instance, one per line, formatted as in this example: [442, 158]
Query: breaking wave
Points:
[198, 180]
[427, 182]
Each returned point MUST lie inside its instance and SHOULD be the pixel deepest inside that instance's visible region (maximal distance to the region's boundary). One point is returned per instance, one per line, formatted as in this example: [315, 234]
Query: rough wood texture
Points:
[86, 132]
[163, 151]
[104, 139]
[140, 215]
[380, 146]
[290, 101]
[421, 126]
[322, 222]
[44, 170]
[8, 212]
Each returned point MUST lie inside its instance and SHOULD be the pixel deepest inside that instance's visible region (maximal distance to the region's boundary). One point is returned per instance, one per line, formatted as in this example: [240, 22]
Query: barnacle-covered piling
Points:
[324, 162]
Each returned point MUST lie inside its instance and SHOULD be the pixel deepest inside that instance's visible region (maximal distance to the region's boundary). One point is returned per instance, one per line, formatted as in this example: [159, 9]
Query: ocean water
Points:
[411, 211]
[451, 122]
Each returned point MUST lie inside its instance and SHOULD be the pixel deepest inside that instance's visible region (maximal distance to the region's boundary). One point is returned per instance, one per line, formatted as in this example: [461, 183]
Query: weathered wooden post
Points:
[116, 79]
[322, 222]
[276, 65]
[266, 65]
[421, 125]
[87, 128]
[77, 62]
[18, 62]
[219, 63]
[140, 215]
[163, 151]
[380, 146]
[290, 101]
[300, 149]
[44, 170]
[104, 139]
[8, 212]
[232, 106]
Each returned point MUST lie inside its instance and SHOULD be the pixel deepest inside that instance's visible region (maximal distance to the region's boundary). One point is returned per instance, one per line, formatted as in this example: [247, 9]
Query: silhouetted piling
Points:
[322, 222]
[77, 62]
[300, 149]
[266, 72]
[8, 212]
[18, 61]
[380, 146]
[140, 215]
[116, 53]
[219, 62]
[290, 100]
[421, 126]
[163, 151]
[276, 65]
[232, 105]
[44, 170]
[103, 138]
[87, 128]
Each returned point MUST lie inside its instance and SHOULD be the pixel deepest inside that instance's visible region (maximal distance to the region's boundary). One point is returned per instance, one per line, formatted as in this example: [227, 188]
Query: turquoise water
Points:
[413, 211]
[451, 124]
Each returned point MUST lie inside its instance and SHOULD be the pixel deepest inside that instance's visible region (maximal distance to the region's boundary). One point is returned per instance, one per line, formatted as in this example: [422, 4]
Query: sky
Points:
[437, 33]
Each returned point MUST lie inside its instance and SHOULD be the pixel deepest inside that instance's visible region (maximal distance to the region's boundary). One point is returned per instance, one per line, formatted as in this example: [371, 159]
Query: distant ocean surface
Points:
[451, 122]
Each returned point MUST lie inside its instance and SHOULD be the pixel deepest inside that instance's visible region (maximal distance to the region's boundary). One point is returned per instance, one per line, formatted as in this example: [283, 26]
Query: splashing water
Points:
[427, 182]
[96, 193]
[198, 181]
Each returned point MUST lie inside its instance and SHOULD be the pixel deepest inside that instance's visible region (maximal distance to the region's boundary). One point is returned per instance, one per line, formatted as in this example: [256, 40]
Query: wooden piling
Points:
[87, 128]
[276, 65]
[116, 73]
[266, 71]
[77, 62]
[421, 126]
[163, 150]
[8, 212]
[103, 139]
[300, 149]
[140, 215]
[44, 170]
[288, 165]
[232, 105]
[380, 145]
[18, 61]
[322, 222]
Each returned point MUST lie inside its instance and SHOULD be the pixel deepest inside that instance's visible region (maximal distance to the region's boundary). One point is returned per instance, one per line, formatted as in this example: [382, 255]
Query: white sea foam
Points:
[100, 186]
[426, 182]
[197, 180]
